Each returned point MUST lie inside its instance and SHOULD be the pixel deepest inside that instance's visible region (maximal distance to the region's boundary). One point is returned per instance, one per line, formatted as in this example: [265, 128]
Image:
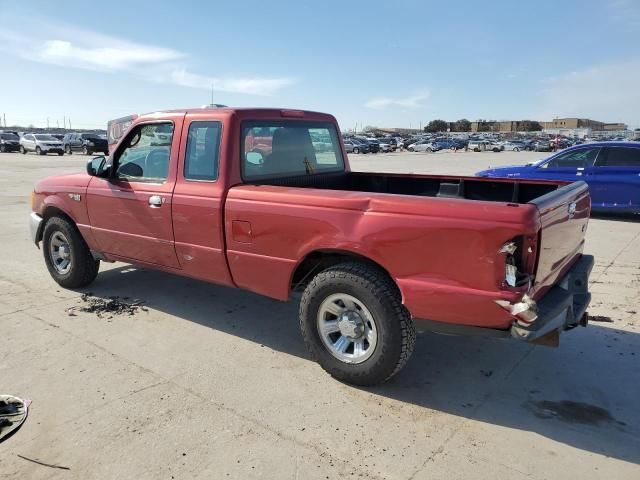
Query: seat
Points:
[292, 152]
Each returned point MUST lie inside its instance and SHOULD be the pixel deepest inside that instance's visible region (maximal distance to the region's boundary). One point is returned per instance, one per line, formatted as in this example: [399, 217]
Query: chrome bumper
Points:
[35, 223]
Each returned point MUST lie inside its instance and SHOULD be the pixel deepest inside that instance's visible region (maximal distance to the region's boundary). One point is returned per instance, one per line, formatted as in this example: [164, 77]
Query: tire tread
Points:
[382, 287]
[85, 269]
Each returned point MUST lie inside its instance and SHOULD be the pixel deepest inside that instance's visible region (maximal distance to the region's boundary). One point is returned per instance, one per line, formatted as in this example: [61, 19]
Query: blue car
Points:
[611, 169]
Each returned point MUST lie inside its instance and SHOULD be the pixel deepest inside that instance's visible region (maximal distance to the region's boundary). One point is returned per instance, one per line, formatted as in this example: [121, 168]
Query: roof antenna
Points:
[213, 105]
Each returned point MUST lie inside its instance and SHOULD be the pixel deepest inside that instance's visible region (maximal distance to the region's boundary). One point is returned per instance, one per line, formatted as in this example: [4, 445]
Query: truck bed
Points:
[442, 251]
[470, 188]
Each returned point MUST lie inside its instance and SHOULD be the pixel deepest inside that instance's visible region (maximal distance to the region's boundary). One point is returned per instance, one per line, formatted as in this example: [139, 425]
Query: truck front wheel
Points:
[66, 254]
[355, 325]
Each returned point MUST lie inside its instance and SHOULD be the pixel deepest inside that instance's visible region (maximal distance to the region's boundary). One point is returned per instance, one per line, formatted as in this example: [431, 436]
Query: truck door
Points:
[615, 178]
[198, 201]
[130, 212]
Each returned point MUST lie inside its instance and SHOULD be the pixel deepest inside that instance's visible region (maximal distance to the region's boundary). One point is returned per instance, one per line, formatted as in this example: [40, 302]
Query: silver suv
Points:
[41, 143]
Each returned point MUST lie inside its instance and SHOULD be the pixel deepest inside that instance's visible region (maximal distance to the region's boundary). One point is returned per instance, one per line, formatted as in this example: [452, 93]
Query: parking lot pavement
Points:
[211, 382]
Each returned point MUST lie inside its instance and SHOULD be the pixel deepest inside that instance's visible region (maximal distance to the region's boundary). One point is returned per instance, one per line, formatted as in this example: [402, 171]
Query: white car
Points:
[484, 146]
[40, 143]
[513, 146]
[422, 146]
[385, 145]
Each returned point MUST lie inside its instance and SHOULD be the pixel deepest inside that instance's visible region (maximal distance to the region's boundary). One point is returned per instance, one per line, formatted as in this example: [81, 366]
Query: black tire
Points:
[84, 268]
[411, 149]
[373, 288]
[356, 150]
[3, 148]
[516, 149]
[23, 150]
[68, 150]
[39, 151]
[85, 150]
[60, 154]
[429, 150]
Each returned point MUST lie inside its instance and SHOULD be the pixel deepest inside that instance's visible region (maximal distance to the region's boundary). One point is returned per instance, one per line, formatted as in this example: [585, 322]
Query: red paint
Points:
[441, 252]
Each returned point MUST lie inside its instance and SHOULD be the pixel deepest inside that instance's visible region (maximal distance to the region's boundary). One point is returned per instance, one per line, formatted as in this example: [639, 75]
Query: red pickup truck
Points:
[375, 255]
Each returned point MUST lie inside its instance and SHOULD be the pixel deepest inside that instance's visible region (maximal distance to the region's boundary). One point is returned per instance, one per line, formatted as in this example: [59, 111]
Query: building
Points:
[572, 123]
[501, 126]
[615, 126]
[555, 125]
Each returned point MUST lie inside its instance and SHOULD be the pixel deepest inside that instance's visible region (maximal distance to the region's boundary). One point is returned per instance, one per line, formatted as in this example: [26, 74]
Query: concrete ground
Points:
[212, 382]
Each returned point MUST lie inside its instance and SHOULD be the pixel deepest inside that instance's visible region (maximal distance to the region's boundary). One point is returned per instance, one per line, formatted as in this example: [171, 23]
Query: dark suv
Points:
[9, 142]
[87, 143]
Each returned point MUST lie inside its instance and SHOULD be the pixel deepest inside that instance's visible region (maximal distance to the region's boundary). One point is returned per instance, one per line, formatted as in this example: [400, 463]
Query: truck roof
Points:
[247, 111]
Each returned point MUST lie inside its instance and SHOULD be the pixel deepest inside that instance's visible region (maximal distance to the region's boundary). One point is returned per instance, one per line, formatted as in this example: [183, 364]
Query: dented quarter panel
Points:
[443, 253]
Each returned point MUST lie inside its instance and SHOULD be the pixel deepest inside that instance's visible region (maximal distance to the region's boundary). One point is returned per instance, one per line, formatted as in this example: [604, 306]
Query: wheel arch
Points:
[49, 212]
[321, 259]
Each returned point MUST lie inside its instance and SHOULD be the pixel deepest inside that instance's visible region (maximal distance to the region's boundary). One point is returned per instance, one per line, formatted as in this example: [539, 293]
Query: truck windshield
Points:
[289, 148]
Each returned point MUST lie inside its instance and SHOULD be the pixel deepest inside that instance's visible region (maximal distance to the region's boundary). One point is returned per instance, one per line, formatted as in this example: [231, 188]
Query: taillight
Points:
[519, 261]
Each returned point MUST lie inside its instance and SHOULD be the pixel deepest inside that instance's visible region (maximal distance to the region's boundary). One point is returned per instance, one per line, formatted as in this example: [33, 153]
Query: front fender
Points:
[70, 204]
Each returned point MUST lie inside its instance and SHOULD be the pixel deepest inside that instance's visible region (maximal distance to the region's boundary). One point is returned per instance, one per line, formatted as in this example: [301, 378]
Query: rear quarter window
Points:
[620, 157]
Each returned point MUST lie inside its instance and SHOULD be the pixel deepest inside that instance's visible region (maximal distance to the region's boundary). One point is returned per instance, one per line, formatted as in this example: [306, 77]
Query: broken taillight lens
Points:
[518, 267]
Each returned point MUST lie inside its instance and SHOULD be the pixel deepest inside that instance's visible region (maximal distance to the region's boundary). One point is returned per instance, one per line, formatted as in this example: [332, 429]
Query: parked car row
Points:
[478, 142]
[45, 143]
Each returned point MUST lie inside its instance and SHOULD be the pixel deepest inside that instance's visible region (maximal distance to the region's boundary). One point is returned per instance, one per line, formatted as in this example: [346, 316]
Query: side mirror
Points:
[254, 158]
[95, 166]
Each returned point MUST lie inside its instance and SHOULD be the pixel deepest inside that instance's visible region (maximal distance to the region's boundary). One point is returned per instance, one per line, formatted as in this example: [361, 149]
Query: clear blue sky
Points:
[372, 63]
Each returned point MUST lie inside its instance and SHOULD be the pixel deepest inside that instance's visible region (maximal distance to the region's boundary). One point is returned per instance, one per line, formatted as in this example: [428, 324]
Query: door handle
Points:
[155, 201]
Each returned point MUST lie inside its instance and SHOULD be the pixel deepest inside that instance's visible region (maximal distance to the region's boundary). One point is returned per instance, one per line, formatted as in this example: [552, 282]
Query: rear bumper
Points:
[563, 307]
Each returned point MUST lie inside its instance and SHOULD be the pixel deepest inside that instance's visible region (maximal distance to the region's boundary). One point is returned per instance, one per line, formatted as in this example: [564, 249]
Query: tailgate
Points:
[564, 214]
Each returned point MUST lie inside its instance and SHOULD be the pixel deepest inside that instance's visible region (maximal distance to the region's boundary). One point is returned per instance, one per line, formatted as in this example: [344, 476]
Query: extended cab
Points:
[264, 200]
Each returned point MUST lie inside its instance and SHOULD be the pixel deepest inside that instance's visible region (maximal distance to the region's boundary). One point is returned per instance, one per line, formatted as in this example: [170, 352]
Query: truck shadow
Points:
[583, 394]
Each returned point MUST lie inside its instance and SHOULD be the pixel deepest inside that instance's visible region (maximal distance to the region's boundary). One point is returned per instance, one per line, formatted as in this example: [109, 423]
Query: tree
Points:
[462, 125]
[485, 125]
[436, 126]
[529, 126]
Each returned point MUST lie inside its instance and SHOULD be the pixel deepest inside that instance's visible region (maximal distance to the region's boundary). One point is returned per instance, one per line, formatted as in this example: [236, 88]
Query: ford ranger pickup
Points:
[264, 200]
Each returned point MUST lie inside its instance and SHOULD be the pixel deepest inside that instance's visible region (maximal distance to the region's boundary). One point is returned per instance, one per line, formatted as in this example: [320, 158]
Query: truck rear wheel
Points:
[355, 325]
[66, 254]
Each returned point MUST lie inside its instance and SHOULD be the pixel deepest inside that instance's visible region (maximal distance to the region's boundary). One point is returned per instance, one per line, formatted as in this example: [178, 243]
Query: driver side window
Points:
[145, 157]
[575, 159]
